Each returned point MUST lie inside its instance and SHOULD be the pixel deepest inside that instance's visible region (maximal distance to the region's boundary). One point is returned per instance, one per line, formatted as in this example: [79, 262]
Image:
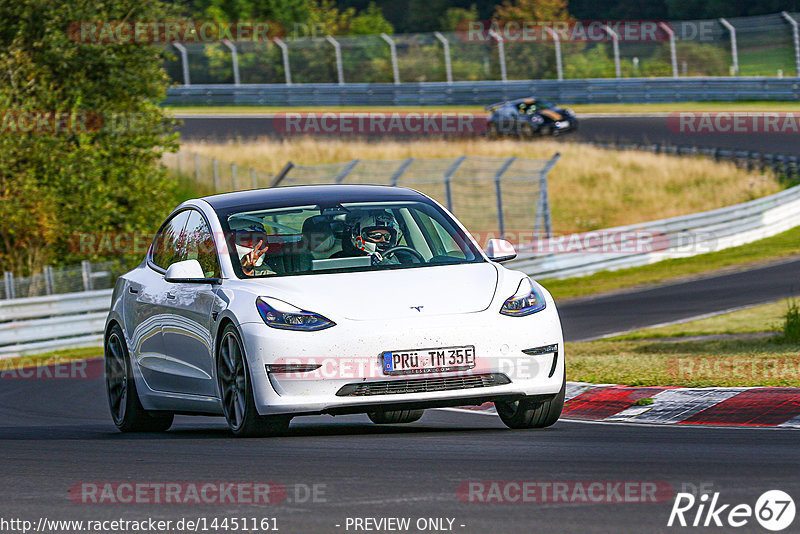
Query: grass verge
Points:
[578, 108]
[642, 359]
[715, 362]
[590, 188]
[754, 319]
[772, 248]
[50, 358]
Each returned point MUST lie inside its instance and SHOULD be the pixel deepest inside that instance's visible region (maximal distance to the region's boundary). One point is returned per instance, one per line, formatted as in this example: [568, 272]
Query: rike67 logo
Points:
[774, 510]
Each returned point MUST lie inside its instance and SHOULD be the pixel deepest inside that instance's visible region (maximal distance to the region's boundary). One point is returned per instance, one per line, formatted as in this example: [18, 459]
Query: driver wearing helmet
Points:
[372, 233]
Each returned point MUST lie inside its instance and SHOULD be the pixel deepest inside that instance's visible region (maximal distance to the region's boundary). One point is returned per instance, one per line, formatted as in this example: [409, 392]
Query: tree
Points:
[98, 171]
[539, 10]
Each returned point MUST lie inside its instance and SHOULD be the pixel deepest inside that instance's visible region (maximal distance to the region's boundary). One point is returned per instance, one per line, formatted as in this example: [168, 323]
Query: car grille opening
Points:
[422, 385]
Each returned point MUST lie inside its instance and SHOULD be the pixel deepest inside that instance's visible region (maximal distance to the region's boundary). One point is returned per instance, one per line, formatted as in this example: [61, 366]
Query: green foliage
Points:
[54, 186]
[454, 16]
[791, 323]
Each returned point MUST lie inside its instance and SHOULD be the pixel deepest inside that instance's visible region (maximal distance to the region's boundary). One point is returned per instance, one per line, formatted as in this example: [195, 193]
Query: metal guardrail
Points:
[591, 91]
[675, 237]
[39, 324]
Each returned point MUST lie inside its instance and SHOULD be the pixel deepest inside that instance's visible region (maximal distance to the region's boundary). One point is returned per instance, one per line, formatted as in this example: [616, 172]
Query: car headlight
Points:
[279, 314]
[527, 300]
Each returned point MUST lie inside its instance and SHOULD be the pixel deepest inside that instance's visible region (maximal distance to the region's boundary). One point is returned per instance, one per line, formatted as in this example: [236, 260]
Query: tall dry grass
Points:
[590, 188]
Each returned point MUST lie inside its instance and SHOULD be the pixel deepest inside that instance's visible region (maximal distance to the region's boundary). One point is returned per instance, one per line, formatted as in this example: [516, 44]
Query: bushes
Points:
[106, 177]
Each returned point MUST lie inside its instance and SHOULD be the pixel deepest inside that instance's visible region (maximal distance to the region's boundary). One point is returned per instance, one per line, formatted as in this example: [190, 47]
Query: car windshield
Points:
[364, 236]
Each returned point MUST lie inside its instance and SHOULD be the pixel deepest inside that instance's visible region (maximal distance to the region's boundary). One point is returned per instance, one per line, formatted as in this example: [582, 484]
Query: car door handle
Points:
[170, 295]
[134, 291]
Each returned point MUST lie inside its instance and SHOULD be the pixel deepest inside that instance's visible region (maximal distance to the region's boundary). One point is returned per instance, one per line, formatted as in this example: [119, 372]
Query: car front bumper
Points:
[348, 356]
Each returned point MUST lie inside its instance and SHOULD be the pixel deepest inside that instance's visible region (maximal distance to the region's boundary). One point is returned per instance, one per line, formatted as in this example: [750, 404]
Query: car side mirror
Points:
[185, 271]
[500, 250]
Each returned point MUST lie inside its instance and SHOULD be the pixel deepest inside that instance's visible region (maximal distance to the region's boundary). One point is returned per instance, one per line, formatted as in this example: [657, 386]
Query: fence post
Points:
[253, 178]
[734, 48]
[234, 61]
[393, 51]
[347, 170]
[447, 177]
[498, 191]
[399, 172]
[287, 72]
[282, 174]
[557, 41]
[673, 53]
[86, 271]
[49, 281]
[796, 38]
[8, 280]
[184, 63]
[448, 67]
[338, 52]
[615, 40]
[216, 174]
[543, 210]
[233, 177]
[501, 53]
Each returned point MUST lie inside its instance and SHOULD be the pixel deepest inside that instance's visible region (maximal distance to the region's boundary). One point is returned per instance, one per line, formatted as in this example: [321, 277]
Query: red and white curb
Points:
[753, 406]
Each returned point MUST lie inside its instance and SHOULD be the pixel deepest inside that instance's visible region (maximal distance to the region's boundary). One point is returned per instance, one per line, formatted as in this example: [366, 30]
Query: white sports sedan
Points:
[269, 304]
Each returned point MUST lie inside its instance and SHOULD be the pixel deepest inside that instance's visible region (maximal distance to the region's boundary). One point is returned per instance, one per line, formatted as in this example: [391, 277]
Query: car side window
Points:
[169, 245]
[200, 245]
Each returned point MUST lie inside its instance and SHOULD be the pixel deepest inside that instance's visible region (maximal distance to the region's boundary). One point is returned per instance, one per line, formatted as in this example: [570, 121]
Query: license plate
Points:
[562, 124]
[422, 361]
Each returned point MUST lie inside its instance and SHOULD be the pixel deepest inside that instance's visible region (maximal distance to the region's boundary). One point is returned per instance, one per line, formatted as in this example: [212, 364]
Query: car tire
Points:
[527, 413]
[123, 399]
[527, 131]
[395, 417]
[236, 391]
[492, 131]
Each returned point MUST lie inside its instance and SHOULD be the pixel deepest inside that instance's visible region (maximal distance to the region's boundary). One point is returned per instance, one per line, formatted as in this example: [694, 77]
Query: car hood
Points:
[444, 289]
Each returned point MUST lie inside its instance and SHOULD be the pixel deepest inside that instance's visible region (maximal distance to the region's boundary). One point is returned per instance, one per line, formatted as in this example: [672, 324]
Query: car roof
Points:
[527, 100]
[277, 197]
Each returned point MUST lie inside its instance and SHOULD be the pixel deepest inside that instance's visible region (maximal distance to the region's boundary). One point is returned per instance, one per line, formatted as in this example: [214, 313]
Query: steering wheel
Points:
[392, 251]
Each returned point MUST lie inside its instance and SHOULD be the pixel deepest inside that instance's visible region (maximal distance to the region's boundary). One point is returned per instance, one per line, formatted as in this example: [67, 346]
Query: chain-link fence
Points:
[211, 175]
[504, 196]
[767, 45]
[57, 280]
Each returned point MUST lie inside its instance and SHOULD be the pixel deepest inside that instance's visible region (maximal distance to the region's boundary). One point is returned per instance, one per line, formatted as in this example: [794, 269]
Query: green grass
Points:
[771, 248]
[762, 318]
[579, 108]
[720, 362]
[50, 358]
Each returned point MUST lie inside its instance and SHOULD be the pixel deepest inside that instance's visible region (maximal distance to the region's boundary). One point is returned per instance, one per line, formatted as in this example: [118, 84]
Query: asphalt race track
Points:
[590, 318]
[642, 129]
[56, 433]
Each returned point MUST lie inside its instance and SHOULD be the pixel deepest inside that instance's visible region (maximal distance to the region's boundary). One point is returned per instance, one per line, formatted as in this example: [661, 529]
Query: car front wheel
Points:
[123, 399]
[528, 413]
[236, 391]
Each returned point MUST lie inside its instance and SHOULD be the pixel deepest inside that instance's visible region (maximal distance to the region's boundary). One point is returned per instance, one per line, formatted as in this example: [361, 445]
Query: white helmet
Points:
[373, 231]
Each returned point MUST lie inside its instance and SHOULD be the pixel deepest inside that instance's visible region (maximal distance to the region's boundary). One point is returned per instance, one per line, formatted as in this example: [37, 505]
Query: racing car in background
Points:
[528, 117]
